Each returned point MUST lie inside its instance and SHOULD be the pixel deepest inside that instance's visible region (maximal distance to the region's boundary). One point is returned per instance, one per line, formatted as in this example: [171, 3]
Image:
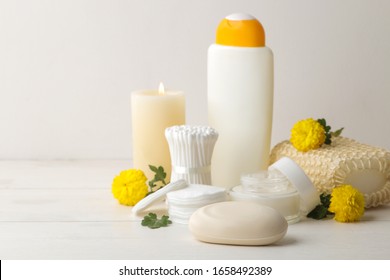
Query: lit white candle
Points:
[152, 112]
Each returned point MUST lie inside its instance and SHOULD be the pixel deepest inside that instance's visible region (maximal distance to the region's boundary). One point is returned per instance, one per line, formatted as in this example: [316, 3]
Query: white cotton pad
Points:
[238, 223]
[158, 195]
[184, 202]
[196, 194]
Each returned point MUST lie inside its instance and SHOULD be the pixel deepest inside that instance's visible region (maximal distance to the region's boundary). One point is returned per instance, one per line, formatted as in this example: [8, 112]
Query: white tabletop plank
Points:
[73, 205]
[65, 210]
[60, 173]
[129, 240]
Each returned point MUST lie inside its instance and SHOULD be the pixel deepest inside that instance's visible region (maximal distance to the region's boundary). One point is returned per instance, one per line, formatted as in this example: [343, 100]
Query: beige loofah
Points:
[345, 161]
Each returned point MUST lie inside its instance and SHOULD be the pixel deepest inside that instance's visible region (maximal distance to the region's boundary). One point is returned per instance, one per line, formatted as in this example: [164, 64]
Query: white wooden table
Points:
[65, 210]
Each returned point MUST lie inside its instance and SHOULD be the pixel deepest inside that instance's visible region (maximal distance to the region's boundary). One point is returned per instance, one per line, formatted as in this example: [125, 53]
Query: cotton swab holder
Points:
[191, 149]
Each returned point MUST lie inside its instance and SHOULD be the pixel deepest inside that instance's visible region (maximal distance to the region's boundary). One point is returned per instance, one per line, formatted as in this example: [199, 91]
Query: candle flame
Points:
[161, 89]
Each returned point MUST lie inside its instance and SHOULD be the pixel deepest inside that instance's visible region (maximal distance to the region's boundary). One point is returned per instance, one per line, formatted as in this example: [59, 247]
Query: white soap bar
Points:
[238, 223]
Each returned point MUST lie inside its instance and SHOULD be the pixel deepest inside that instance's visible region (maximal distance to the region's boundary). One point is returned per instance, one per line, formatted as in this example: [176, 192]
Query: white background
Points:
[67, 68]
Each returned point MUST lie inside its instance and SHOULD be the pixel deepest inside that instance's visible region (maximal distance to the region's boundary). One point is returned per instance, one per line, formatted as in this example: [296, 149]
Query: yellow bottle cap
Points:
[240, 30]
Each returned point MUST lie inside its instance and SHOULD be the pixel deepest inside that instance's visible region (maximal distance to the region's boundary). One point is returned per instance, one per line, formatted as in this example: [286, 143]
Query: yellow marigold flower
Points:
[307, 135]
[129, 187]
[347, 203]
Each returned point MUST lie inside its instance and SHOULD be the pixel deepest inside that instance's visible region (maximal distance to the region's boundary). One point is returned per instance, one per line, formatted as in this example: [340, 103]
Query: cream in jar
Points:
[284, 187]
[270, 188]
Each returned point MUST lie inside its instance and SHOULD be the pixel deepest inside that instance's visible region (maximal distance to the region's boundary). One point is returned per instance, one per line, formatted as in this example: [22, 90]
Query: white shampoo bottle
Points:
[240, 99]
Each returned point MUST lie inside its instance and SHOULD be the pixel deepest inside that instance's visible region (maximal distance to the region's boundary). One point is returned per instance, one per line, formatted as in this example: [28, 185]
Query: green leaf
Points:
[160, 174]
[328, 139]
[337, 132]
[322, 122]
[318, 213]
[153, 222]
[328, 133]
[153, 168]
[325, 200]
[321, 210]
[159, 177]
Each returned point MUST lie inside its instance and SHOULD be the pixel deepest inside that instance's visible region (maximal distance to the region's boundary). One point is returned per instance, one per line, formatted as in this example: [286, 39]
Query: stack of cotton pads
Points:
[183, 203]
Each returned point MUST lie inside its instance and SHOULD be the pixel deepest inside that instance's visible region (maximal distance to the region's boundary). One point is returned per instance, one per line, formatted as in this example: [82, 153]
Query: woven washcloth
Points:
[345, 161]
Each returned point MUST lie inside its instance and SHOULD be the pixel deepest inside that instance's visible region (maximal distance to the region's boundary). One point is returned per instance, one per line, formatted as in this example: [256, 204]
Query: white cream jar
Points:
[284, 187]
[270, 188]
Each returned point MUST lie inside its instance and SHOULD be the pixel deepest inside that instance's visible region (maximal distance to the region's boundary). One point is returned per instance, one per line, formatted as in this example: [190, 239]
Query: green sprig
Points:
[159, 178]
[321, 210]
[329, 134]
[151, 221]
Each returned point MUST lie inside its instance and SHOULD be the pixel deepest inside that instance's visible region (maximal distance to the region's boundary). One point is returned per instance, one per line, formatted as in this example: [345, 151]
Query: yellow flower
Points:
[307, 135]
[129, 187]
[347, 203]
